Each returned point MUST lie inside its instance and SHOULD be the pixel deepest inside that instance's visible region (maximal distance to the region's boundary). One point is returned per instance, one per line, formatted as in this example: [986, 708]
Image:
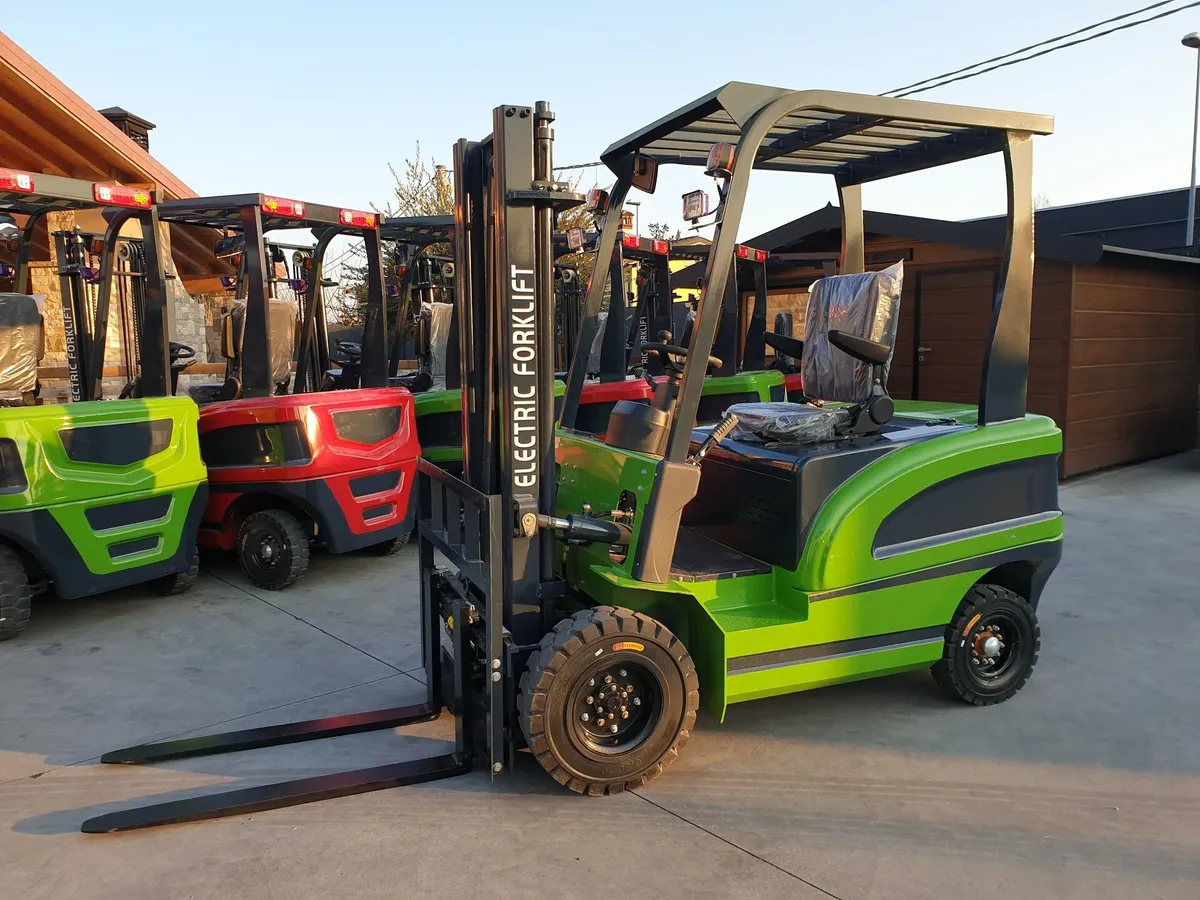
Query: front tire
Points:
[16, 597]
[272, 549]
[607, 700]
[991, 646]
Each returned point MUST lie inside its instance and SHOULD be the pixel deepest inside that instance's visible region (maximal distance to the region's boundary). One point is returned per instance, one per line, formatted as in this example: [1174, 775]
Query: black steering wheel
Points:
[181, 352]
[666, 351]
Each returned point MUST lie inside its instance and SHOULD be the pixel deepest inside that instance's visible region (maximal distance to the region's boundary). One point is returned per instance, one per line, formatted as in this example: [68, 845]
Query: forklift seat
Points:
[847, 352]
[22, 346]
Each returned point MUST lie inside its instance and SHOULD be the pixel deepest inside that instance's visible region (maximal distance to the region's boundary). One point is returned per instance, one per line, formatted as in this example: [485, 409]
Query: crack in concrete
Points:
[724, 840]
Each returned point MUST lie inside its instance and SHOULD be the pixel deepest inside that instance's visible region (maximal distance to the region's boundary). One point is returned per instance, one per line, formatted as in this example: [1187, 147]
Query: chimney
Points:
[137, 128]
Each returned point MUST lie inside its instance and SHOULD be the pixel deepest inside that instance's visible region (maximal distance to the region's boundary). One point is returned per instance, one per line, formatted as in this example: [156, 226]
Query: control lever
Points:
[718, 434]
[581, 529]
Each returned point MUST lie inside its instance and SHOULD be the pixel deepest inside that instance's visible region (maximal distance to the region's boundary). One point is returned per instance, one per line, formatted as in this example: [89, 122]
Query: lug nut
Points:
[629, 687]
[584, 717]
[495, 676]
[608, 679]
[613, 729]
[600, 723]
[637, 701]
[591, 700]
[623, 673]
[624, 714]
[600, 710]
[624, 694]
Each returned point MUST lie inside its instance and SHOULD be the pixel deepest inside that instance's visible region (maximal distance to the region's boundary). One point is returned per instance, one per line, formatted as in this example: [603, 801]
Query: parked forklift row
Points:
[288, 449]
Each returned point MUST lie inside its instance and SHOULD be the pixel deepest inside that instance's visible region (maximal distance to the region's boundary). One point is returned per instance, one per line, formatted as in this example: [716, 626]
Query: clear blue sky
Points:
[313, 100]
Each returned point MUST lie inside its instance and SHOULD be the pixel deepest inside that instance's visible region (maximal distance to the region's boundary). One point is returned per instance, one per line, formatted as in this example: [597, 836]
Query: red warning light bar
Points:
[119, 195]
[632, 241]
[12, 180]
[358, 219]
[278, 206]
[662, 248]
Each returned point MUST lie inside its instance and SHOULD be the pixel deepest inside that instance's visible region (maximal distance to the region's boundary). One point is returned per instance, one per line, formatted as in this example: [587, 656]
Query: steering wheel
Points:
[669, 350]
[180, 352]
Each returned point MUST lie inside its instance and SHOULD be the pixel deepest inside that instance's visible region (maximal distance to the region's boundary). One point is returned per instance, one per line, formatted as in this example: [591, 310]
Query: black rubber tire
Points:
[555, 673]
[287, 534]
[389, 547]
[180, 582]
[16, 596]
[954, 671]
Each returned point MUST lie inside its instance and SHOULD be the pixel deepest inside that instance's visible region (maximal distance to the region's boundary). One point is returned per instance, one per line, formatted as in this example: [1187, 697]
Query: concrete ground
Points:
[1085, 785]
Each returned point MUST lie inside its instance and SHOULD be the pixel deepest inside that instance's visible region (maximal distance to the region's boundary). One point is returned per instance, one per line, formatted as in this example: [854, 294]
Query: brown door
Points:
[954, 316]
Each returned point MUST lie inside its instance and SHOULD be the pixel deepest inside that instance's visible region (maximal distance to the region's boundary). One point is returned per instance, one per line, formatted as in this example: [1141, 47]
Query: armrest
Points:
[870, 352]
[784, 344]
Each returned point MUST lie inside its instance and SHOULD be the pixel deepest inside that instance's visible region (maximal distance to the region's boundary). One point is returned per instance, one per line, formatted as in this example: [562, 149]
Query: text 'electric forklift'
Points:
[523, 314]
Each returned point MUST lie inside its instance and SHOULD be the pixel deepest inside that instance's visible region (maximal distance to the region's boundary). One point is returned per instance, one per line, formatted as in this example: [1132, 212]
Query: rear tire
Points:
[272, 549]
[180, 582]
[991, 646]
[389, 547]
[15, 594]
[568, 715]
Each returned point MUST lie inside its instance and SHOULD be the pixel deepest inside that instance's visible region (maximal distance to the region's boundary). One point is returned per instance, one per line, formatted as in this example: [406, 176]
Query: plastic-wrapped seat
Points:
[850, 334]
[22, 346]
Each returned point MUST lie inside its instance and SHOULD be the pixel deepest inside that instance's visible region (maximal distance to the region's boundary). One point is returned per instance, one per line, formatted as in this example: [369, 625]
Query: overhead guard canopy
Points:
[854, 137]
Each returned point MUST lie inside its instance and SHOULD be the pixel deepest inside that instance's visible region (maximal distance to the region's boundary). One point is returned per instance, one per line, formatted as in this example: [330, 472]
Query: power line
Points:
[1053, 40]
[1005, 60]
[903, 92]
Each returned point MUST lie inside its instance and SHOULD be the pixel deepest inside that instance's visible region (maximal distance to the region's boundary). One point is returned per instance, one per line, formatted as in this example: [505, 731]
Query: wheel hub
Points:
[990, 650]
[609, 710]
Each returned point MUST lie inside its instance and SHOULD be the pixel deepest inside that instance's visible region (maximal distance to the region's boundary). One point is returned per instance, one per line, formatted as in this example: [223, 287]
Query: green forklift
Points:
[94, 496]
[596, 590]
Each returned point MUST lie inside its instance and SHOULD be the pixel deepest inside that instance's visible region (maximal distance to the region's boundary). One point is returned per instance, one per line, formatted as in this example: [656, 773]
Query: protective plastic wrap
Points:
[20, 341]
[283, 316]
[865, 305]
[785, 423]
[594, 354]
[439, 337]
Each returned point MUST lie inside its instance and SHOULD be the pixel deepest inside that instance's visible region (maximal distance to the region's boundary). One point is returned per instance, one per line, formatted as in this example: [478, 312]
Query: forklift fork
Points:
[465, 527]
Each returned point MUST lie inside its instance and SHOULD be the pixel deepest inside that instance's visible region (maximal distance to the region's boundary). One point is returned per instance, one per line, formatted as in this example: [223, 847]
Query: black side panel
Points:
[318, 502]
[39, 533]
[975, 499]
[367, 426]
[853, 647]
[117, 445]
[115, 515]
[12, 472]
[440, 430]
[374, 484]
[592, 418]
[778, 393]
[278, 444]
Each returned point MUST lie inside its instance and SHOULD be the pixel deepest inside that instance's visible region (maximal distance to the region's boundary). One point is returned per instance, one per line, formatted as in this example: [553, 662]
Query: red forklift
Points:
[287, 469]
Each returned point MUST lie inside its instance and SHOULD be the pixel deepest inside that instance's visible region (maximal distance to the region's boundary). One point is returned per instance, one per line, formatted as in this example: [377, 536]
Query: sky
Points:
[314, 100]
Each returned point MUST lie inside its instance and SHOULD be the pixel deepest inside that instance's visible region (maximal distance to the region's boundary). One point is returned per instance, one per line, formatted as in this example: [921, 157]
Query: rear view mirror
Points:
[228, 344]
[645, 173]
[695, 206]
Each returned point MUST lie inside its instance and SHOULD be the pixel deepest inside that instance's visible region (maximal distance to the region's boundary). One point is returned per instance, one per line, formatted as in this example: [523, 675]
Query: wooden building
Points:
[1114, 332]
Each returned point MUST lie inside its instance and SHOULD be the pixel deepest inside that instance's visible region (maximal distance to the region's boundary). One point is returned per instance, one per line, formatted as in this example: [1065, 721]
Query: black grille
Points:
[778, 393]
[127, 548]
[367, 426]
[12, 472]
[440, 430]
[374, 484]
[115, 515]
[280, 444]
[117, 445]
[377, 512]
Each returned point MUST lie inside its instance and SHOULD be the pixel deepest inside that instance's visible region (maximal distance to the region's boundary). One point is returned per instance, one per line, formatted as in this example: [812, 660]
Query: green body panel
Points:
[738, 617]
[431, 403]
[67, 488]
[745, 382]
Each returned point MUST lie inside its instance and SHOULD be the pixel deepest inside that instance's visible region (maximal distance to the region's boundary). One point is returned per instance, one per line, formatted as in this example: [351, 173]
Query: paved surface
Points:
[1086, 785]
